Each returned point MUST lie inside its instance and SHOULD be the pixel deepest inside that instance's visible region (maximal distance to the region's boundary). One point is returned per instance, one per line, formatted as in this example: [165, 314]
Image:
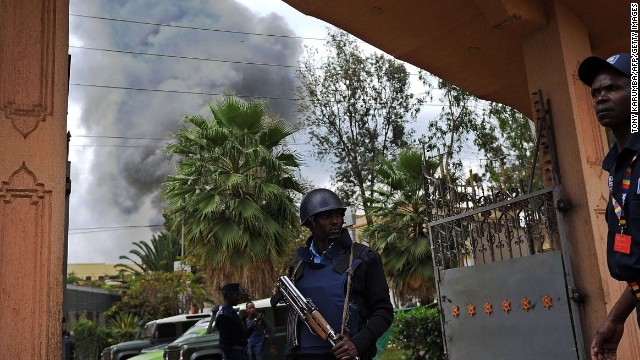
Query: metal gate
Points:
[503, 278]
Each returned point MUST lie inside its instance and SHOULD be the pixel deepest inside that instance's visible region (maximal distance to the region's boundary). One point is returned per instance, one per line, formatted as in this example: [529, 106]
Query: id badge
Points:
[622, 244]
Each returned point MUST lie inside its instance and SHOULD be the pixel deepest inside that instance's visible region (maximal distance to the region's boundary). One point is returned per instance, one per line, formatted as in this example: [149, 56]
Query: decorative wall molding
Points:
[22, 184]
[27, 62]
[25, 249]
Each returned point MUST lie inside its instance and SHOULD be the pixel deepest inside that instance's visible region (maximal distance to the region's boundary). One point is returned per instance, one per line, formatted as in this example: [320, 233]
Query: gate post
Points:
[34, 69]
[552, 56]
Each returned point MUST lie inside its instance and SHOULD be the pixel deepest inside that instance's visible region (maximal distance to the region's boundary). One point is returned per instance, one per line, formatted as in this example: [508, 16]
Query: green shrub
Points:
[88, 338]
[91, 337]
[418, 334]
[73, 279]
[124, 321]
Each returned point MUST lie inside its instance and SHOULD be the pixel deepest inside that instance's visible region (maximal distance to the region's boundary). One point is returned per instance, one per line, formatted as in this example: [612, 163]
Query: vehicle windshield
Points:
[154, 348]
[147, 331]
[200, 328]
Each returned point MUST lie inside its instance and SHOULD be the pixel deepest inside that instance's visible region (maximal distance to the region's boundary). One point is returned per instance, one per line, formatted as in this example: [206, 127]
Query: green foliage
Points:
[467, 125]
[399, 232]
[418, 334]
[356, 108]
[506, 137]
[156, 295]
[88, 339]
[449, 133]
[73, 279]
[157, 256]
[98, 284]
[234, 191]
[91, 337]
[124, 321]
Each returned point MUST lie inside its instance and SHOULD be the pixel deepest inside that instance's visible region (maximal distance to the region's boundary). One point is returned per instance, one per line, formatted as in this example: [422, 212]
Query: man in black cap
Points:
[233, 336]
[610, 83]
[321, 273]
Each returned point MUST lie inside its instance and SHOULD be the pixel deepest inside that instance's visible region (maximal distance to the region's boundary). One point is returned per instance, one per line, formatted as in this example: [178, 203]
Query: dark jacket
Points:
[232, 332]
[624, 267]
[369, 290]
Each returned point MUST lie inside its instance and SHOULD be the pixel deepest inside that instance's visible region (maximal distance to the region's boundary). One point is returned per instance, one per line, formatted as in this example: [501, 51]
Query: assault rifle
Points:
[306, 310]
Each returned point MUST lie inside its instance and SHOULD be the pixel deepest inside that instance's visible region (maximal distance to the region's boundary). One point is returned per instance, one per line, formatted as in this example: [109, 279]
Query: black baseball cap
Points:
[592, 66]
[233, 287]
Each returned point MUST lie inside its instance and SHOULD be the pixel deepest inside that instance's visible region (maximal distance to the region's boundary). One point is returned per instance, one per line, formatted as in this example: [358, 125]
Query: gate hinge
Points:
[575, 295]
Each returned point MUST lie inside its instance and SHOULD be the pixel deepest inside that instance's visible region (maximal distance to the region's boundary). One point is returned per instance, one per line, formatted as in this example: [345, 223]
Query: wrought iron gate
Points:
[503, 280]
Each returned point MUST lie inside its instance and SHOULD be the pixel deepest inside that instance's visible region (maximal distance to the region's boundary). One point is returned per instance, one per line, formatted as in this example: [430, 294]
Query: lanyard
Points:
[626, 181]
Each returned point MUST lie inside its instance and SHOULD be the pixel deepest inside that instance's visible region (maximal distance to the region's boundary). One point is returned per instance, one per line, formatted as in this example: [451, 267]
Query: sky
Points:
[118, 119]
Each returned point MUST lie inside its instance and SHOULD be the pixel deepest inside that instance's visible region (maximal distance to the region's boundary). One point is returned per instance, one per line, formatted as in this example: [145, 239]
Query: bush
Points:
[91, 338]
[418, 334]
[156, 295]
[88, 339]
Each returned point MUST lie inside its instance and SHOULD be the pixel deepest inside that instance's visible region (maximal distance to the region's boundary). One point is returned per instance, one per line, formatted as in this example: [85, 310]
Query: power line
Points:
[202, 93]
[195, 28]
[180, 92]
[115, 145]
[146, 138]
[182, 57]
[114, 227]
[119, 137]
[88, 230]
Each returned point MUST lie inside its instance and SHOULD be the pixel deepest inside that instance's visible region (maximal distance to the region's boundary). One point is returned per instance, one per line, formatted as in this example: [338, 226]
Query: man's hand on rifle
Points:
[344, 349]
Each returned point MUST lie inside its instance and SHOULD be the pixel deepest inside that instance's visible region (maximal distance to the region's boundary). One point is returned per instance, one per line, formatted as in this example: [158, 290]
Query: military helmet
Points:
[317, 201]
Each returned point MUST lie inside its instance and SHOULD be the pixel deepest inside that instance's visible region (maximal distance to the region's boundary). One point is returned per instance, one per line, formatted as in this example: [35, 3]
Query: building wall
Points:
[87, 302]
[93, 270]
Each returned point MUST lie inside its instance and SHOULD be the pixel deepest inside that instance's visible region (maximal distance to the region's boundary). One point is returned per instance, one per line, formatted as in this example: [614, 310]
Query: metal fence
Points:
[475, 225]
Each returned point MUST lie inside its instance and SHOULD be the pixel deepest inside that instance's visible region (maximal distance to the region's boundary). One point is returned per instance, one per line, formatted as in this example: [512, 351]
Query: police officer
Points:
[233, 336]
[321, 273]
[610, 83]
[260, 341]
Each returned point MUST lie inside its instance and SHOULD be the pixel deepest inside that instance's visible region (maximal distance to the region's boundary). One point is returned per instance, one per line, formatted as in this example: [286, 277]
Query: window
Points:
[164, 331]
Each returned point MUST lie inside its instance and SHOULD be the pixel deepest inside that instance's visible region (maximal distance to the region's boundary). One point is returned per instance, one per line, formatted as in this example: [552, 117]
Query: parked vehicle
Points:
[154, 352]
[156, 332]
[203, 342]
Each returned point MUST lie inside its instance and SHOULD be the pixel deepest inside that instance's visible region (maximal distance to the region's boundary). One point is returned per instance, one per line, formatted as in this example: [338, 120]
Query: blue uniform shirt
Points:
[624, 267]
[257, 339]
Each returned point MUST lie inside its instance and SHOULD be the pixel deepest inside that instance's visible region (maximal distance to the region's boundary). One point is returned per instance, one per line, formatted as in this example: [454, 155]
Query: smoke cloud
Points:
[118, 184]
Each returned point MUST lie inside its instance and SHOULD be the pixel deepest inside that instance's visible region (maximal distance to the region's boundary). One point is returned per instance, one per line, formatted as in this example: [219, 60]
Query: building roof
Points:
[474, 44]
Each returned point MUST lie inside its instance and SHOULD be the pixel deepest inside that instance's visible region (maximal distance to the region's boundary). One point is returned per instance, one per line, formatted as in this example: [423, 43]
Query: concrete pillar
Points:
[33, 108]
[552, 55]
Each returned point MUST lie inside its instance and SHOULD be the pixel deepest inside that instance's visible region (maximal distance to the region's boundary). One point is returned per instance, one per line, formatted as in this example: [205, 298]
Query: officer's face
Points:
[327, 224]
[612, 99]
[251, 309]
[236, 298]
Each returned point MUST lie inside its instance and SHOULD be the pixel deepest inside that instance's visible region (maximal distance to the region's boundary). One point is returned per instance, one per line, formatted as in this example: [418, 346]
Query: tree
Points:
[157, 256]
[506, 138]
[234, 192]
[448, 134]
[497, 133]
[400, 230]
[356, 108]
[156, 294]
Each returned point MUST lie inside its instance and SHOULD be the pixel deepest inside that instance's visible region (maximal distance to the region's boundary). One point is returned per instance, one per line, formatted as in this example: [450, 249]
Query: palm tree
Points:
[400, 232]
[234, 192]
[157, 256]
